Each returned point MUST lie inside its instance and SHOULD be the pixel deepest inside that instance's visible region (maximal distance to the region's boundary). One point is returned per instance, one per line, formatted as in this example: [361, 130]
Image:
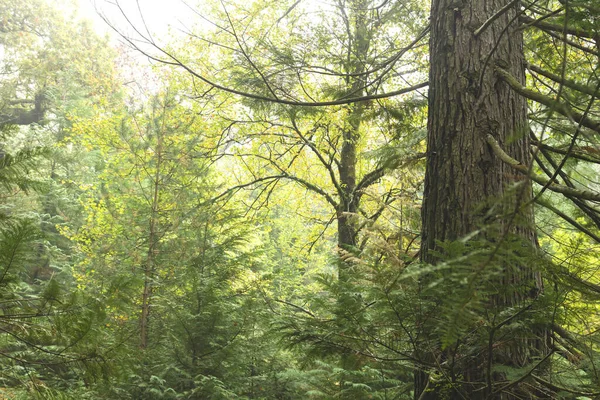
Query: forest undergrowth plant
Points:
[454, 309]
[35, 349]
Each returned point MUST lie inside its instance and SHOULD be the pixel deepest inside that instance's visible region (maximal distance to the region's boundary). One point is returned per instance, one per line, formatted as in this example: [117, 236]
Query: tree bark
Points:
[467, 101]
[357, 52]
[358, 49]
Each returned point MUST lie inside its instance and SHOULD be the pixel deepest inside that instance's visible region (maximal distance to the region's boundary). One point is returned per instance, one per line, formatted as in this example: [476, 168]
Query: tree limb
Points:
[581, 194]
[566, 82]
[558, 28]
[171, 59]
[559, 107]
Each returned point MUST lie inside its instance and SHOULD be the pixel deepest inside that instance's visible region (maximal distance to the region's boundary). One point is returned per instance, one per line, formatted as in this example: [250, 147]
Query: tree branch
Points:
[372, 177]
[566, 82]
[581, 194]
[582, 153]
[557, 28]
[174, 61]
[570, 220]
[559, 107]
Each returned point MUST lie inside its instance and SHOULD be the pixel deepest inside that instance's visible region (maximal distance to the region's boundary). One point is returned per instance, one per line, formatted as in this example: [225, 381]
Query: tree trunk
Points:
[358, 49]
[467, 101]
[153, 241]
[357, 52]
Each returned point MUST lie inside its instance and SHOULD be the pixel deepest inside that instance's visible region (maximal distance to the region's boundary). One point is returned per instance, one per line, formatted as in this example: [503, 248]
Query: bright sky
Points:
[158, 15]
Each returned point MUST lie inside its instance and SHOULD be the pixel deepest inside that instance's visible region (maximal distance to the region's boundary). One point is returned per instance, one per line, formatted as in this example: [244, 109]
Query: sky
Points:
[159, 15]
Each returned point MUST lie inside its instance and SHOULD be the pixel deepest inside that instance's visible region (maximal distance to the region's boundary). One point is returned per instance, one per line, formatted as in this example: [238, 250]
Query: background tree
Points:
[366, 60]
[44, 79]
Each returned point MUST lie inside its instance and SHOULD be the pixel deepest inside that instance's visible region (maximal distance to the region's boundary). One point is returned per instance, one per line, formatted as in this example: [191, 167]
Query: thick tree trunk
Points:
[467, 101]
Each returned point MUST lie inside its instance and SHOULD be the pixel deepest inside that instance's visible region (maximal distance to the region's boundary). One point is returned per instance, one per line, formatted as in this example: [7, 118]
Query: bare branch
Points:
[378, 173]
[570, 220]
[173, 60]
[494, 17]
[581, 153]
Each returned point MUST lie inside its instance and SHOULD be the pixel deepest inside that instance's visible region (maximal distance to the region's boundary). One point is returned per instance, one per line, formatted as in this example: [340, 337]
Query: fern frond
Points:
[15, 169]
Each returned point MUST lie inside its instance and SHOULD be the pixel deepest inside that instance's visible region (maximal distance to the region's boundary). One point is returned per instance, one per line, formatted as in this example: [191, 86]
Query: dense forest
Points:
[280, 199]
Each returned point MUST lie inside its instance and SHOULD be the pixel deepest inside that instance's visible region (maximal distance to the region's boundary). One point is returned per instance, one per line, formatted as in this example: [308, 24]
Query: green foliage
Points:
[150, 206]
[14, 169]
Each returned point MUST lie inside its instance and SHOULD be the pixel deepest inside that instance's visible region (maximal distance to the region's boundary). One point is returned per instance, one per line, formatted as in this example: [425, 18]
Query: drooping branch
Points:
[570, 220]
[557, 389]
[588, 154]
[234, 189]
[319, 155]
[555, 105]
[246, 55]
[173, 60]
[566, 82]
[314, 188]
[284, 174]
[591, 212]
[524, 376]
[574, 44]
[489, 21]
[580, 282]
[570, 30]
[378, 173]
[500, 153]
[176, 62]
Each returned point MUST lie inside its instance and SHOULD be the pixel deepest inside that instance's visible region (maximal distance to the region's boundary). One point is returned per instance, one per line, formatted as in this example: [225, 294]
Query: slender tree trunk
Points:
[150, 265]
[467, 101]
[348, 205]
[356, 22]
[358, 49]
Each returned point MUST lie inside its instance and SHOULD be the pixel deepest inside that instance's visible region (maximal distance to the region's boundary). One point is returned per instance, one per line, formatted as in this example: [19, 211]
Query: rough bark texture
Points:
[462, 171]
[349, 201]
[467, 101]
